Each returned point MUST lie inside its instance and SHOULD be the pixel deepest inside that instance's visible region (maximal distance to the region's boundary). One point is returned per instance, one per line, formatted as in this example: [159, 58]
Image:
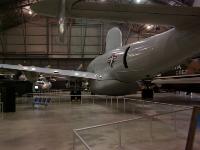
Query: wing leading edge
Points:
[71, 73]
[181, 79]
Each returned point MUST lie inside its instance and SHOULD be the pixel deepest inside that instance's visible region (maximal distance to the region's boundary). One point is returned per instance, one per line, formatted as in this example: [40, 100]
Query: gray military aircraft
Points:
[42, 84]
[117, 71]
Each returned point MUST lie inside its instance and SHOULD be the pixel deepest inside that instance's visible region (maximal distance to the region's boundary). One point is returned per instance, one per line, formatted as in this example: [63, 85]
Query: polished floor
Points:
[51, 128]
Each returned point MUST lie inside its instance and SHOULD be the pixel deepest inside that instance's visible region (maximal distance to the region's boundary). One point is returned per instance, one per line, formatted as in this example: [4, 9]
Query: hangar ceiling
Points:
[13, 12]
[29, 39]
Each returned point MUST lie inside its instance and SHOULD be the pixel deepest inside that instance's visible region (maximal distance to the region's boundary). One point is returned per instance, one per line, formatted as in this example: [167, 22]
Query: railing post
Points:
[81, 99]
[93, 99]
[143, 105]
[111, 101]
[117, 102]
[120, 136]
[1, 109]
[74, 141]
[124, 104]
[59, 97]
[151, 128]
[106, 100]
[175, 124]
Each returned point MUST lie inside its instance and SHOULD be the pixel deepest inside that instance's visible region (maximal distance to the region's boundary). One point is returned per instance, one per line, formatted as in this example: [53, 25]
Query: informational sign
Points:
[196, 144]
[198, 121]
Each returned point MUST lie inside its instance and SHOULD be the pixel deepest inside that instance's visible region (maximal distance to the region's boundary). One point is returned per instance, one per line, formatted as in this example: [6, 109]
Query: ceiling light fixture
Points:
[138, 1]
[30, 12]
[149, 27]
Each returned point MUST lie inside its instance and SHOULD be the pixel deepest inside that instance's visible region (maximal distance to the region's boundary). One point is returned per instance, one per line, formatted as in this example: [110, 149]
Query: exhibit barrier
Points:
[152, 122]
[59, 98]
[158, 126]
[121, 103]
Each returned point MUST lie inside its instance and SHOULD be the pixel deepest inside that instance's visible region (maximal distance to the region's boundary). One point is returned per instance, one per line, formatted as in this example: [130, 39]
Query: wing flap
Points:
[71, 73]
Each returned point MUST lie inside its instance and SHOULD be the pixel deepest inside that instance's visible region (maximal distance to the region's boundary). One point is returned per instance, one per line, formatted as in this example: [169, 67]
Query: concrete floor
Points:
[51, 128]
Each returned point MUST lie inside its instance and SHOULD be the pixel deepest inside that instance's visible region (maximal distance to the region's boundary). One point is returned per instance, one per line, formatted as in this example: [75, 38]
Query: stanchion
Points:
[120, 136]
[93, 98]
[117, 102]
[1, 103]
[151, 128]
[74, 141]
[124, 104]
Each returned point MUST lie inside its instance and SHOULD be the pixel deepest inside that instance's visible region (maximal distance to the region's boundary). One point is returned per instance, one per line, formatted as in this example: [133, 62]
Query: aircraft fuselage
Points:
[122, 67]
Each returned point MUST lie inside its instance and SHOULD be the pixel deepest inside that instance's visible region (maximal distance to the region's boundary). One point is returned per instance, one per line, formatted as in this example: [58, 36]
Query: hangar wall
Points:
[37, 42]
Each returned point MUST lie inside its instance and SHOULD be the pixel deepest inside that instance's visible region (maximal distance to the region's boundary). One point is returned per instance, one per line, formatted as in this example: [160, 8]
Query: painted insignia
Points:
[112, 59]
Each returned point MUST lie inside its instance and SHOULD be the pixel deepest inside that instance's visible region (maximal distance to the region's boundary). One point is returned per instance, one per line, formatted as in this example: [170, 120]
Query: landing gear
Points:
[147, 93]
[147, 90]
[75, 95]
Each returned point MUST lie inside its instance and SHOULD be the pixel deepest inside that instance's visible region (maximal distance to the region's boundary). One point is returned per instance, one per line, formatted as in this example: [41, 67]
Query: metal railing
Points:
[171, 114]
[144, 109]
[58, 98]
[121, 102]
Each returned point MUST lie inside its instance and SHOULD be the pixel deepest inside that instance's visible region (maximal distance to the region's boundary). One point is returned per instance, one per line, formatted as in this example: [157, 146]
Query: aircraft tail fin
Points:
[113, 39]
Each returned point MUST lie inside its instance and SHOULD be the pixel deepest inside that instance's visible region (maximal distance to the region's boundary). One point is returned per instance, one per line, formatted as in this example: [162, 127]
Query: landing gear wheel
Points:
[147, 94]
[72, 97]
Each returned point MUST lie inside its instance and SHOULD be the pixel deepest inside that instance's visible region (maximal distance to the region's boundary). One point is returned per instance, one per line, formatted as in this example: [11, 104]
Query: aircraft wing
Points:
[181, 79]
[70, 73]
[138, 13]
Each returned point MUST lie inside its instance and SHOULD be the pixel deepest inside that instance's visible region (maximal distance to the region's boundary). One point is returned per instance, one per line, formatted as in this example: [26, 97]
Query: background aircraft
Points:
[188, 83]
[42, 84]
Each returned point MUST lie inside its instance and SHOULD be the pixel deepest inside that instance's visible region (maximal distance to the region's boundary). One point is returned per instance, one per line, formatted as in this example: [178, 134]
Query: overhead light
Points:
[138, 1]
[102, 0]
[36, 87]
[149, 27]
[98, 76]
[33, 68]
[76, 73]
[30, 12]
[55, 71]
